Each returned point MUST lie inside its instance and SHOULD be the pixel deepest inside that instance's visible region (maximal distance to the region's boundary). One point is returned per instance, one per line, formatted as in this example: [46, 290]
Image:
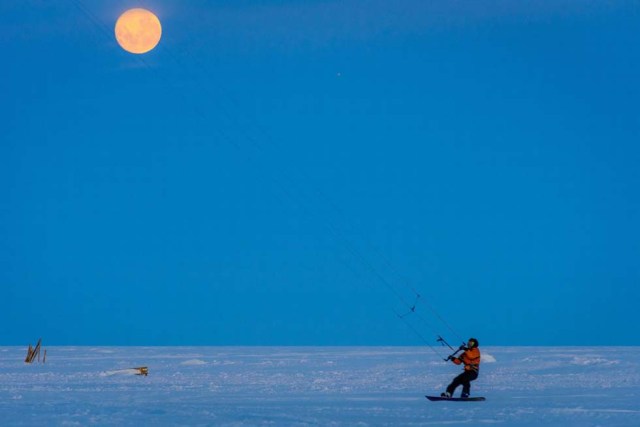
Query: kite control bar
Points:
[455, 352]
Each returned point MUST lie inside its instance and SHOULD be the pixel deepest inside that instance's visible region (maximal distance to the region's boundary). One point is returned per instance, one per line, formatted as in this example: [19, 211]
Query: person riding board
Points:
[471, 360]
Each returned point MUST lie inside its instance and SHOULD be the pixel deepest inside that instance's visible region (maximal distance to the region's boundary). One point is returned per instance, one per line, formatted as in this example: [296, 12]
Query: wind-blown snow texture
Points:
[327, 386]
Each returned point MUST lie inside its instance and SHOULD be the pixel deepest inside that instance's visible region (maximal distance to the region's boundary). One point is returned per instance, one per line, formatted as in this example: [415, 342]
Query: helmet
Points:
[473, 343]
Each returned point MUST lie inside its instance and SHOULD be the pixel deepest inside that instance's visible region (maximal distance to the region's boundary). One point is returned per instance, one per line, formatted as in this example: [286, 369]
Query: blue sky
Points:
[288, 173]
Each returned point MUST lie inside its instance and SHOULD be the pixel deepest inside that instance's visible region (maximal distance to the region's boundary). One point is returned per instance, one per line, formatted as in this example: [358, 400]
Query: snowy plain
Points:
[317, 386]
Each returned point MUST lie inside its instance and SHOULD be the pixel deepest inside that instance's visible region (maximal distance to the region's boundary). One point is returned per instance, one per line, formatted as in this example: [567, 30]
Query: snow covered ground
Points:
[325, 386]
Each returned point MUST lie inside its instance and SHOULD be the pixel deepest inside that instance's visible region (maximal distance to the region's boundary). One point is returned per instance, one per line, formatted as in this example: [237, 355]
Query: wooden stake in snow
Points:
[33, 352]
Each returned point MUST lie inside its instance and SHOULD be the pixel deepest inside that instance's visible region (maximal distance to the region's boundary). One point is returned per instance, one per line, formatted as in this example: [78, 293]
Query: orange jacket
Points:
[470, 358]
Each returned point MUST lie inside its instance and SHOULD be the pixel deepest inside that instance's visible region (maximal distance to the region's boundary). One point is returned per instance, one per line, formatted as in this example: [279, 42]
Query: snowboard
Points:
[455, 399]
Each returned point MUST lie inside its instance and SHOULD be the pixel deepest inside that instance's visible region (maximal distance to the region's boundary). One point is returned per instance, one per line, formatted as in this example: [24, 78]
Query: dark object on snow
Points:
[142, 370]
[456, 399]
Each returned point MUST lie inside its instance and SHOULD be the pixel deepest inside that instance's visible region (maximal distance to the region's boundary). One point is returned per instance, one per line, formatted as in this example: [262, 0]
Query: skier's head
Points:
[473, 343]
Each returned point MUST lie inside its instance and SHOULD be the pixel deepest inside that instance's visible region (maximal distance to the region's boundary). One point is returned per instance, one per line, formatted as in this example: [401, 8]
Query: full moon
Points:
[138, 30]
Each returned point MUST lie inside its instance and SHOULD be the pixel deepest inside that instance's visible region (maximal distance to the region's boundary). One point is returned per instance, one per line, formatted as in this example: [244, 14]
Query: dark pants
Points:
[463, 379]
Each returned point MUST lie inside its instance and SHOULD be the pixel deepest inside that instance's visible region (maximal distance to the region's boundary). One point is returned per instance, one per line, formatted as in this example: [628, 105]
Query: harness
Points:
[472, 362]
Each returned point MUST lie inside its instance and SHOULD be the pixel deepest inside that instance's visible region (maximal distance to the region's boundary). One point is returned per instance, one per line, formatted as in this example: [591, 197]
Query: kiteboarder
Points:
[471, 360]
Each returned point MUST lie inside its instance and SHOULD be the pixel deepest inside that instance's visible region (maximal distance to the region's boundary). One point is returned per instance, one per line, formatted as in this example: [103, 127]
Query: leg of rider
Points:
[455, 383]
[466, 385]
